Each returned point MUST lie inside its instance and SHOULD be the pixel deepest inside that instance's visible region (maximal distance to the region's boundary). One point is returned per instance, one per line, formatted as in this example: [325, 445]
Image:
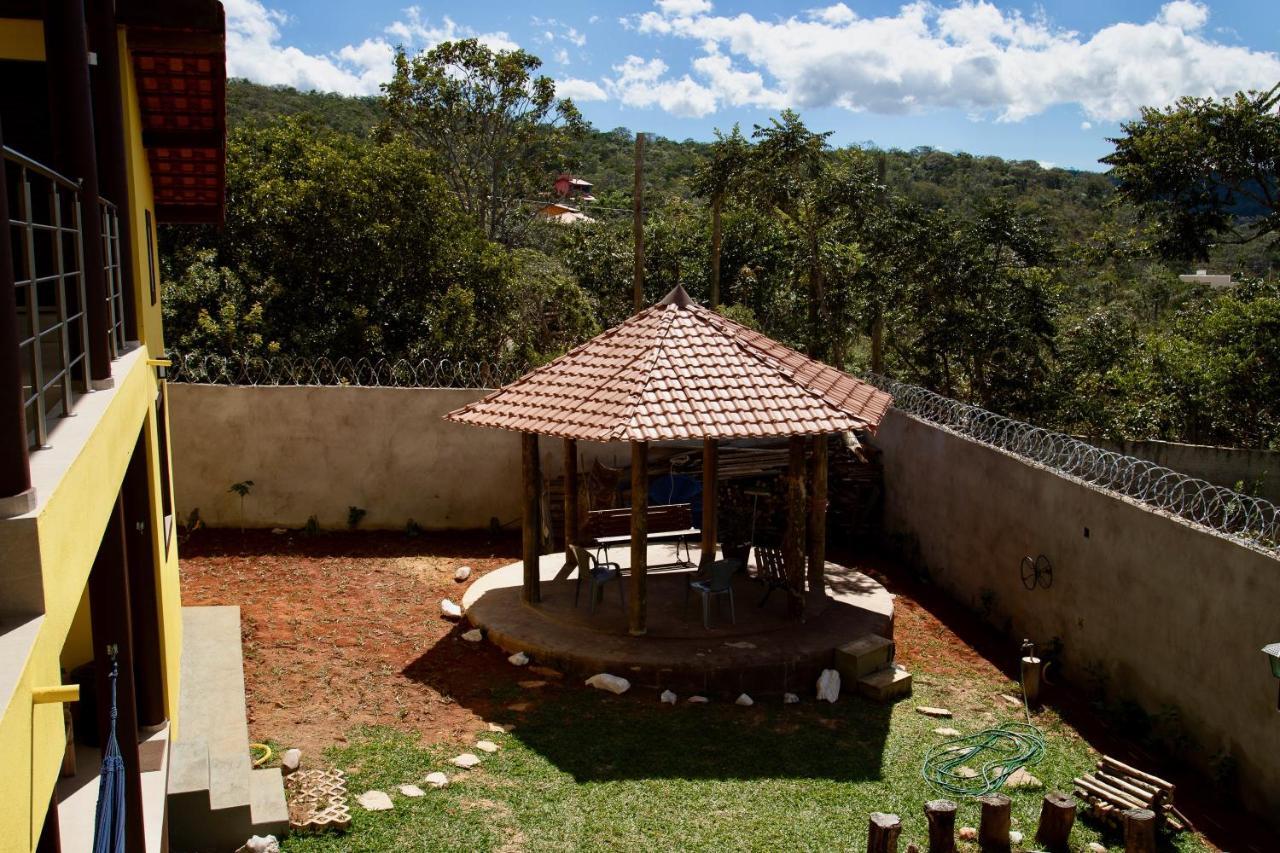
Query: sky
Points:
[1048, 81]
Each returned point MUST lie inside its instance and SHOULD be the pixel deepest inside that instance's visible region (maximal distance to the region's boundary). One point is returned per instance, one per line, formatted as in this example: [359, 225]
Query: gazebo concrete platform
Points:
[767, 651]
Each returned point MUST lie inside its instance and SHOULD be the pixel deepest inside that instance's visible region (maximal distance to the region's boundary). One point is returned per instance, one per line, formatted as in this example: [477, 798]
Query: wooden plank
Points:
[1167, 787]
[639, 537]
[531, 529]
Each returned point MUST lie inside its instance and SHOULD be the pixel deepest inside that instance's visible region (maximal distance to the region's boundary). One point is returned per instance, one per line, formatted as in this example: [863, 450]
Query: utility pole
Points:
[877, 321]
[637, 226]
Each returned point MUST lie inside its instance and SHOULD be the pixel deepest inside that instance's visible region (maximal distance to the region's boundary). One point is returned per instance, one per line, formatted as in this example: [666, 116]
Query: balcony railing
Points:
[46, 220]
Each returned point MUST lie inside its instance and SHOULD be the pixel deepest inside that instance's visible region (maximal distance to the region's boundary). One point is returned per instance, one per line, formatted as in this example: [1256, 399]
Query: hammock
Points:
[108, 833]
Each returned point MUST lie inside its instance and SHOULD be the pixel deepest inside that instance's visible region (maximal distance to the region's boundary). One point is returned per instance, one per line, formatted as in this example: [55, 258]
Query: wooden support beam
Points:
[793, 539]
[993, 828]
[639, 537]
[1057, 816]
[112, 626]
[570, 501]
[710, 472]
[882, 833]
[941, 817]
[637, 227]
[817, 552]
[531, 530]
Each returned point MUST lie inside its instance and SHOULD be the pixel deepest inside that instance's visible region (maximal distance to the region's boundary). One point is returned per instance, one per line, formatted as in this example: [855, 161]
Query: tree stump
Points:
[1057, 816]
[1139, 831]
[993, 831]
[882, 833]
[941, 815]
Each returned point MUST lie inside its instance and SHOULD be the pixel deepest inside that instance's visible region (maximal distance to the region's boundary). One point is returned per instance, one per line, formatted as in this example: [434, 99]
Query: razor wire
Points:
[207, 369]
[1249, 520]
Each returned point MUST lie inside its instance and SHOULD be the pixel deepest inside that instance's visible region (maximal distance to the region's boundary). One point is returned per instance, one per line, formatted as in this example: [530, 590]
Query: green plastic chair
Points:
[599, 573]
[717, 579]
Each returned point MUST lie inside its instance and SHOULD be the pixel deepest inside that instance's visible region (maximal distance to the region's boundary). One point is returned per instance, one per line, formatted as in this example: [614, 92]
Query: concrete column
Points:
[16, 495]
[66, 45]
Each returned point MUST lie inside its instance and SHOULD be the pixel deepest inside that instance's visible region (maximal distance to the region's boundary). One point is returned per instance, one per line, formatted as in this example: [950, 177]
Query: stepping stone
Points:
[745, 700]
[486, 746]
[319, 800]
[966, 773]
[863, 656]
[473, 636]
[519, 659]
[436, 779]
[532, 685]
[547, 672]
[466, 761]
[412, 791]
[946, 731]
[519, 707]
[1012, 700]
[462, 573]
[699, 700]
[933, 712]
[885, 685]
[499, 728]
[790, 699]
[375, 801]
[1020, 778]
[667, 698]
[449, 610]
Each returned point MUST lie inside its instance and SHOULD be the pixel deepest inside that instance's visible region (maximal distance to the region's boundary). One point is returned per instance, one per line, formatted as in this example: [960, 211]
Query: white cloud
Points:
[580, 90]
[255, 50]
[562, 56]
[1086, 125]
[971, 56]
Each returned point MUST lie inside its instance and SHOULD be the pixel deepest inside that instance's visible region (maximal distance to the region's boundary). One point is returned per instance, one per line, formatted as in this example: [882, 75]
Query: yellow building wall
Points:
[71, 520]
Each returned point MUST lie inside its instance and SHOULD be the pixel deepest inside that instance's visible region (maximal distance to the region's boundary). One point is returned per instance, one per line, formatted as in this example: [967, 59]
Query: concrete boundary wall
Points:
[1173, 614]
[1258, 470]
[319, 450]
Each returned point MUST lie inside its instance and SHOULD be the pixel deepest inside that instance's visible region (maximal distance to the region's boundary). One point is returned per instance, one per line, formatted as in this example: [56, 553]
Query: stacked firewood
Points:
[1115, 787]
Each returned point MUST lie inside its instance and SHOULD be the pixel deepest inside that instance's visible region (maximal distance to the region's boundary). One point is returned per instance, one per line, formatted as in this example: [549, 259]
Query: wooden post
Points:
[639, 536]
[818, 518]
[637, 226]
[16, 495]
[793, 539]
[1139, 831]
[710, 471]
[66, 44]
[717, 205]
[531, 531]
[941, 816]
[1057, 816]
[877, 341]
[993, 831]
[570, 501]
[111, 622]
[882, 833]
[1030, 669]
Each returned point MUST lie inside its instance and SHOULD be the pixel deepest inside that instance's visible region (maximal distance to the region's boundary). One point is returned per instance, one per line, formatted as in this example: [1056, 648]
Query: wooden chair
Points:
[771, 570]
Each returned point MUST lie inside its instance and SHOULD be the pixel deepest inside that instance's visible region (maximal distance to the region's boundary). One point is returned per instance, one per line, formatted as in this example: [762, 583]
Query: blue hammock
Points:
[108, 834]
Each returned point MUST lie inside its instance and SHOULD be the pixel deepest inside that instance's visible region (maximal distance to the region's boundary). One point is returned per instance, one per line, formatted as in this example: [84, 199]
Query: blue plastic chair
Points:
[599, 573]
[716, 579]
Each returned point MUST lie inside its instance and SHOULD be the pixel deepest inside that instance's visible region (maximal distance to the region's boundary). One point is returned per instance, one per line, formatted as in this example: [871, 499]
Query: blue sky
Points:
[1047, 82]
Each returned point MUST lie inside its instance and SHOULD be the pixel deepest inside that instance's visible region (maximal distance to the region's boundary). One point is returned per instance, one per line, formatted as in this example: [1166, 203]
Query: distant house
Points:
[563, 214]
[1216, 280]
[567, 186]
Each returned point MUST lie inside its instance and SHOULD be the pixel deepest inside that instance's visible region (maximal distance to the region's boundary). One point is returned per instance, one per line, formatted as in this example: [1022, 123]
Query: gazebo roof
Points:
[678, 370]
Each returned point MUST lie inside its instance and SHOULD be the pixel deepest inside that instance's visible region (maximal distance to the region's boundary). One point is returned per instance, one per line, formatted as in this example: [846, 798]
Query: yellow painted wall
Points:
[21, 39]
[71, 520]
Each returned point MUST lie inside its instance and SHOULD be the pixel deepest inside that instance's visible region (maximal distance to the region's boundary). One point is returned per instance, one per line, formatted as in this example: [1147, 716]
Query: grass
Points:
[584, 770]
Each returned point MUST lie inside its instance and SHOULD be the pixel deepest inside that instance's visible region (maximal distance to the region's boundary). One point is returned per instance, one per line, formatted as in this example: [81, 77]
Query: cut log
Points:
[1105, 792]
[882, 833]
[1167, 787]
[1057, 816]
[941, 815]
[993, 831]
[1146, 794]
[1139, 831]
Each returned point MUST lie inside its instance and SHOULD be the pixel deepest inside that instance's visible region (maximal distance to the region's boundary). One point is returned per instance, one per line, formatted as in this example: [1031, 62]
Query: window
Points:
[151, 257]
[166, 484]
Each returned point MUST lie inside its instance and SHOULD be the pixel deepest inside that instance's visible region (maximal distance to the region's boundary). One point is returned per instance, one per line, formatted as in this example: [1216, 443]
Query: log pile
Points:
[1115, 788]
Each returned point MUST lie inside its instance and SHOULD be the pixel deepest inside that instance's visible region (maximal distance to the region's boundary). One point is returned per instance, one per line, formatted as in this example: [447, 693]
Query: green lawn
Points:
[585, 770]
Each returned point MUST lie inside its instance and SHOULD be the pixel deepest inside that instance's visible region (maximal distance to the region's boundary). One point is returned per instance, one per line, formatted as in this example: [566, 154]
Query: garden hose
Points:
[993, 754]
[259, 760]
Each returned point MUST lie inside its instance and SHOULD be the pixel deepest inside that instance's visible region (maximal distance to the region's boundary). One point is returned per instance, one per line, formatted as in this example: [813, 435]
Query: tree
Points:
[498, 133]
[1206, 170]
[718, 175]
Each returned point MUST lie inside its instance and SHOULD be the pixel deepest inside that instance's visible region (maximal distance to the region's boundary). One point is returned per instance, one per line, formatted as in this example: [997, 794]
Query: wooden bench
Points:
[771, 570]
[665, 523]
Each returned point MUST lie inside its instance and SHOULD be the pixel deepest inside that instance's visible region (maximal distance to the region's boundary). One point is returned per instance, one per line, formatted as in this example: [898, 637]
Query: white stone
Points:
[466, 761]
[668, 697]
[375, 801]
[500, 728]
[1095, 847]
[741, 644]
[612, 683]
[744, 699]
[412, 791]
[450, 610]
[1015, 838]
[518, 659]
[829, 685]
[699, 700]
[473, 636]
[436, 779]
[932, 712]
[790, 699]
[260, 844]
[279, 531]
[968, 833]
[291, 760]
[1020, 778]
[966, 773]
[946, 731]
[486, 746]
[462, 573]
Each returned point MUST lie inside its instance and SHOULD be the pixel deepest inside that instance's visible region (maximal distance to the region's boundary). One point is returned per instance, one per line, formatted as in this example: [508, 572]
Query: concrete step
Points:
[216, 798]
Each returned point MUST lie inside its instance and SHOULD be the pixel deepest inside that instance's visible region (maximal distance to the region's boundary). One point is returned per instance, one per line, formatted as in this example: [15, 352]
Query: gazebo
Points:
[680, 371]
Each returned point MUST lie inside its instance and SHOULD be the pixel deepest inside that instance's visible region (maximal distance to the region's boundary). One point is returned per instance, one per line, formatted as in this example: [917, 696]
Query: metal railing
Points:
[362, 372]
[114, 278]
[48, 255]
[1249, 520]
